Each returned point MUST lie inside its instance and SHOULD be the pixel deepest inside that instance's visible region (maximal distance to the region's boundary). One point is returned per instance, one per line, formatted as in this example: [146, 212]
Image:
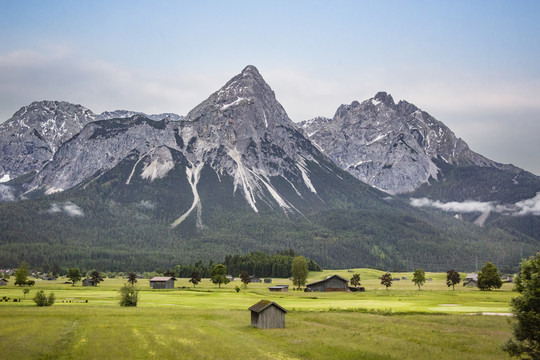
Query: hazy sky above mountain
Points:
[473, 65]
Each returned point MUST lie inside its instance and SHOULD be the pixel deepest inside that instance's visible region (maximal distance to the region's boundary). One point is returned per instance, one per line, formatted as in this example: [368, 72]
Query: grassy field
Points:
[212, 323]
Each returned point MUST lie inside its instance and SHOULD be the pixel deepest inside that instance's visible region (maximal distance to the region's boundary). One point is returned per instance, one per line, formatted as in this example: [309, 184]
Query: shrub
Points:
[41, 300]
[129, 295]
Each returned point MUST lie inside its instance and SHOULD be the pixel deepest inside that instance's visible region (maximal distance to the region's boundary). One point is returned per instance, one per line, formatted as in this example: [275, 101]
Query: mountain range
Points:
[123, 189]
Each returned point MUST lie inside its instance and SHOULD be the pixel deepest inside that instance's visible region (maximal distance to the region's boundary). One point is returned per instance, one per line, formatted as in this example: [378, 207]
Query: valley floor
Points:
[212, 323]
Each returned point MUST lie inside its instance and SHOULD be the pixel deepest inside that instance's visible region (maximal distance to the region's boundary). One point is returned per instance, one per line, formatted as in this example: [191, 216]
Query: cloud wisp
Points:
[521, 208]
[67, 208]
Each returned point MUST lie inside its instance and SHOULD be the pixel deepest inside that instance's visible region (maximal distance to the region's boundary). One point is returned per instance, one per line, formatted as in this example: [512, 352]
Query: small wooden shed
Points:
[88, 282]
[267, 314]
[331, 283]
[279, 288]
[471, 280]
[162, 282]
[255, 279]
[3, 282]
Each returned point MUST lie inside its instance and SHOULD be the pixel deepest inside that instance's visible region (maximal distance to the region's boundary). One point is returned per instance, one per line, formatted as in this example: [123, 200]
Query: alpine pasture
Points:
[207, 322]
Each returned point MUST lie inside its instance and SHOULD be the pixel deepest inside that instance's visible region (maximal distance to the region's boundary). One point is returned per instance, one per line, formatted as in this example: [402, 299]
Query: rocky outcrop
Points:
[394, 147]
[31, 137]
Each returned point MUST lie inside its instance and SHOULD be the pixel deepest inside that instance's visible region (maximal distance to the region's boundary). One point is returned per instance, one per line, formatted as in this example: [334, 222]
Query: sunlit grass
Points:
[207, 322]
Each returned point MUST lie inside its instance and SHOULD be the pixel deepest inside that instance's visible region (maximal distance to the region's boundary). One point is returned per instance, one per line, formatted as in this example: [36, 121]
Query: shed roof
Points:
[162, 278]
[2, 279]
[472, 276]
[263, 304]
[328, 278]
[279, 287]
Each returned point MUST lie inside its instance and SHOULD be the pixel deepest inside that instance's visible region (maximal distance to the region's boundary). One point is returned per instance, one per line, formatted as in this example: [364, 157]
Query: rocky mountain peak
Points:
[30, 138]
[385, 98]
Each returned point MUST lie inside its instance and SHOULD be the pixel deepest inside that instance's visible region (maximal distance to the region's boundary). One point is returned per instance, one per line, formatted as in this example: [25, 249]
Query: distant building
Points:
[88, 282]
[162, 282]
[331, 283]
[471, 280]
[255, 279]
[279, 288]
[3, 282]
[267, 281]
[267, 315]
[230, 277]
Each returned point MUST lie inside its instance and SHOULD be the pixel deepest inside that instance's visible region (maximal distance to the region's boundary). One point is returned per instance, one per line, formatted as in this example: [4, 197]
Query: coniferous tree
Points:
[526, 310]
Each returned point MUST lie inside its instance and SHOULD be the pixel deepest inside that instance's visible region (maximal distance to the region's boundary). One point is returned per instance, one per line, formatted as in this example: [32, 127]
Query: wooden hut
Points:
[471, 280]
[279, 288]
[88, 282]
[331, 283]
[3, 282]
[255, 279]
[267, 314]
[162, 282]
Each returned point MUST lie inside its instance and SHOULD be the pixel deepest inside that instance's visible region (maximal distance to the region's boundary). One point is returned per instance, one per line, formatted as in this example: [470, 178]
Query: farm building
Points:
[162, 282]
[88, 282]
[255, 279]
[331, 283]
[267, 281]
[470, 280]
[267, 315]
[3, 282]
[279, 288]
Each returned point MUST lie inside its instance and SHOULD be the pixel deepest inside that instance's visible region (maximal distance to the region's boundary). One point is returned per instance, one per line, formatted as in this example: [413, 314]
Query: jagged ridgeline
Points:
[235, 175]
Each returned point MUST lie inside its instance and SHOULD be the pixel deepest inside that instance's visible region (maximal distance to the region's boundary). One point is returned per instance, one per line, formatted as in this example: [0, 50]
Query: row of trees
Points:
[488, 278]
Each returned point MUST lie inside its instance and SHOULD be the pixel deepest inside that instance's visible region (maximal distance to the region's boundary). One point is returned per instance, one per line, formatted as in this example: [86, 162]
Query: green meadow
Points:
[207, 322]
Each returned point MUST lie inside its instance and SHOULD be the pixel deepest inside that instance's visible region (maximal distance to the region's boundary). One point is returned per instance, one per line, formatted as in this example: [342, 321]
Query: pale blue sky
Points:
[473, 65]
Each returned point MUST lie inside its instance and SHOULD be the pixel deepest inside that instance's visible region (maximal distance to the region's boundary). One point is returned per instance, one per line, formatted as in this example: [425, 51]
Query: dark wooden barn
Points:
[267, 314]
[331, 283]
[3, 282]
[88, 282]
[279, 288]
[162, 282]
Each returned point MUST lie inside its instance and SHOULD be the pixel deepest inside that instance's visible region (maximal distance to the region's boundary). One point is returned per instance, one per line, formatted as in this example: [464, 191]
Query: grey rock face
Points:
[123, 114]
[240, 131]
[31, 137]
[389, 146]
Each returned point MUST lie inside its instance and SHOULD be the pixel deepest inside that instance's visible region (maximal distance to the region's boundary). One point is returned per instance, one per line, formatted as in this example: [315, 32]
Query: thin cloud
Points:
[520, 208]
[67, 208]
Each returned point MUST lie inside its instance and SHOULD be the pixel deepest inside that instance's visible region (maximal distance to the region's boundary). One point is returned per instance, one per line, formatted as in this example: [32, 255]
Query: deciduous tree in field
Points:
[419, 277]
[489, 278]
[132, 278]
[41, 300]
[74, 275]
[355, 280]
[195, 278]
[25, 291]
[526, 309]
[129, 295]
[21, 274]
[245, 278]
[219, 275]
[386, 280]
[299, 270]
[96, 277]
[452, 278]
